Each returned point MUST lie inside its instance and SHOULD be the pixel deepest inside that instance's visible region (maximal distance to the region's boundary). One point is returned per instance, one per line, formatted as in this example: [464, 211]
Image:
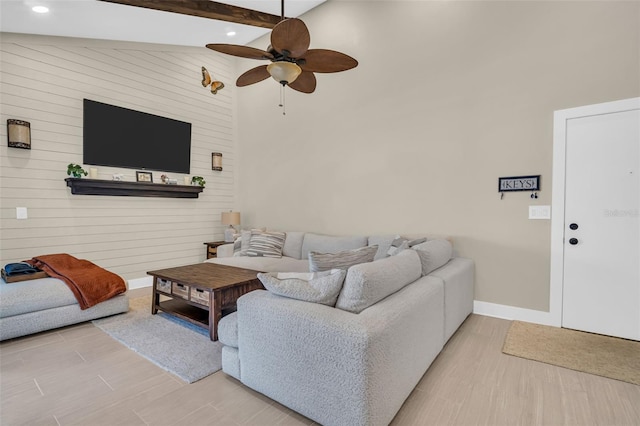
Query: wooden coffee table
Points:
[201, 293]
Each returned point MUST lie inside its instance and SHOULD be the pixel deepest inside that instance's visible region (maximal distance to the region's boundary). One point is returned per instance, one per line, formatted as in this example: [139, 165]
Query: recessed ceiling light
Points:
[40, 9]
[231, 33]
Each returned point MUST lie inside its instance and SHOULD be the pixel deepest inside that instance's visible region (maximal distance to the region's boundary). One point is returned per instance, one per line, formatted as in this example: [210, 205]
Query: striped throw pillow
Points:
[266, 243]
[341, 260]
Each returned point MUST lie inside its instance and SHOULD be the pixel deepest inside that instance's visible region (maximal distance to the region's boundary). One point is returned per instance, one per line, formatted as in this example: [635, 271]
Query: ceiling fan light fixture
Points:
[284, 72]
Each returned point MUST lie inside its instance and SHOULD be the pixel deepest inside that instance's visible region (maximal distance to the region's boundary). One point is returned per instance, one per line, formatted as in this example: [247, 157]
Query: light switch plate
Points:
[21, 213]
[539, 212]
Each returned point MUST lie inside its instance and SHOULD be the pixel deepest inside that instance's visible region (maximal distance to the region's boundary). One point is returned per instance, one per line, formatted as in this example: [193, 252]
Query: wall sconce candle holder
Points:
[216, 161]
[18, 134]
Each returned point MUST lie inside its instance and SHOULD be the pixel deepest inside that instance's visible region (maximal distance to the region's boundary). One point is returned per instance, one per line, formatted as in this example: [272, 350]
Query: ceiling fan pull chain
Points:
[283, 102]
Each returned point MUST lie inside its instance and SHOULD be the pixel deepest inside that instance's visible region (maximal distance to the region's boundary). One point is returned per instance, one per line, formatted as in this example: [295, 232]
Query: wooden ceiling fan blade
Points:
[305, 83]
[254, 75]
[325, 60]
[240, 51]
[291, 35]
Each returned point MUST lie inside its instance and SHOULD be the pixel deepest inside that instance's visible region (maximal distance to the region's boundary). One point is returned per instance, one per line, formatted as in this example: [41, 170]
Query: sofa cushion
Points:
[317, 287]
[433, 254]
[329, 244]
[34, 295]
[293, 245]
[368, 283]
[228, 330]
[342, 259]
[266, 243]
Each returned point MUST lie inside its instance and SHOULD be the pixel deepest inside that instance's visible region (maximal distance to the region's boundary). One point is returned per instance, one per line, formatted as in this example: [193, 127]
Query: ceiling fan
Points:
[292, 64]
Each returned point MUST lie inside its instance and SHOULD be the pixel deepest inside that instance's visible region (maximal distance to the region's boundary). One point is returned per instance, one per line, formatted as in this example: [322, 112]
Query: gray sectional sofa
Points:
[357, 362]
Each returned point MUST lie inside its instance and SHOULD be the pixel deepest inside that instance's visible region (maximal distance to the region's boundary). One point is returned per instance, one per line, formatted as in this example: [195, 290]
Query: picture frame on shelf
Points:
[144, 177]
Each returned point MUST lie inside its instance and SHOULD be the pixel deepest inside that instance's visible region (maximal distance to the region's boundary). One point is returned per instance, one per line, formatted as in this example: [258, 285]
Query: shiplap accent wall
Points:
[43, 81]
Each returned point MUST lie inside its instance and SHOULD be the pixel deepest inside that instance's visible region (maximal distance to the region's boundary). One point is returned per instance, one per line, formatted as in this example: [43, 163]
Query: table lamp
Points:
[230, 218]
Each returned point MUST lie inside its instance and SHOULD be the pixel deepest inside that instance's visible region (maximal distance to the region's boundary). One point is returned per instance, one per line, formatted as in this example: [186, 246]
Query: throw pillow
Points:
[394, 251]
[241, 245]
[433, 254]
[237, 245]
[402, 243]
[368, 283]
[384, 244]
[342, 259]
[266, 243]
[330, 244]
[318, 287]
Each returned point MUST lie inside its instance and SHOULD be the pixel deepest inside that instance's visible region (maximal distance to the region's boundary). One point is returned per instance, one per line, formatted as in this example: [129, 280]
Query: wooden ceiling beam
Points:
[207, 9]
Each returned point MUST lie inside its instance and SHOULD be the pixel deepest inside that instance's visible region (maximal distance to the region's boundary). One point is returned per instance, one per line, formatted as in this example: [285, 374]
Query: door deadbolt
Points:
[573, 226]
[573, 241]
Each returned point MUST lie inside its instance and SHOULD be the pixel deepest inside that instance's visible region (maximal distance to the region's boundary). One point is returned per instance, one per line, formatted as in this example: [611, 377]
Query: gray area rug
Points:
[176, 346]
[590, 353]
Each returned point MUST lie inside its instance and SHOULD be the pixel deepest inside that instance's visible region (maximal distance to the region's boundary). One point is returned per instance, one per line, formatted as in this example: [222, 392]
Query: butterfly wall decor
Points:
[207, 80]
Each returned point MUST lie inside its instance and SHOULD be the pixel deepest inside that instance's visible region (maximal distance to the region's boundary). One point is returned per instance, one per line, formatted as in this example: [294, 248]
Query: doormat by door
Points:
[605, 356]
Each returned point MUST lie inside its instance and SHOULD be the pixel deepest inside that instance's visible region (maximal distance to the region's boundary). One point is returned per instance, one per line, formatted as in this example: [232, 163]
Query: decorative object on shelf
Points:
[187, 180]
[198, 180]
[18, 134]
[93, 172]
[216, 161]
[230, 218]
[145, 177]
[76, 171]
[166, 179]
[207, 80]
[117, 176]
[519, 183]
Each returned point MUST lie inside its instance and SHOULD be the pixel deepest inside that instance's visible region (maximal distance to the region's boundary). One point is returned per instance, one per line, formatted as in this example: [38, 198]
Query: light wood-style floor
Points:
[78, 375]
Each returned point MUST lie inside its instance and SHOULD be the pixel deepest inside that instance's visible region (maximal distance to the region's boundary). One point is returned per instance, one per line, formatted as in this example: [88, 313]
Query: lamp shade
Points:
[230, 218]
[284, 72]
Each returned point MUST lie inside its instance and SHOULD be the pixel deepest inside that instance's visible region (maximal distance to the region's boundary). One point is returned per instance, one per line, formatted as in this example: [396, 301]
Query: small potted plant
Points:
[198, 180]
[76, 171]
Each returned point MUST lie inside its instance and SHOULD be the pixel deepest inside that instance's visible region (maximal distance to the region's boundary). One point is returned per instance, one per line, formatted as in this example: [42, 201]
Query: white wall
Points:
[448, 96]
[43, 81]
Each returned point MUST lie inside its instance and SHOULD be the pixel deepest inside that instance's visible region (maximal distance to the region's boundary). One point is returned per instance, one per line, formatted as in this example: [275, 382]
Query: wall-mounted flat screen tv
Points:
[120, 137]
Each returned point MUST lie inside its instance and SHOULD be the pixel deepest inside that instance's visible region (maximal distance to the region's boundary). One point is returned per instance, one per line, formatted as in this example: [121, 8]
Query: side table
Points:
[212, 248]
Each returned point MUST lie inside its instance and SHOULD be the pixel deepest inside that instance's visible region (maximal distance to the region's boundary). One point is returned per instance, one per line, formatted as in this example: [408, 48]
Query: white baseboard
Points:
[513, 313]
[480, 308]
[140, 283]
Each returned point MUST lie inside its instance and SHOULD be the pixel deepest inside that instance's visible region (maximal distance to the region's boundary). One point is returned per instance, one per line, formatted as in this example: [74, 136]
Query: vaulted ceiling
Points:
[106, 20]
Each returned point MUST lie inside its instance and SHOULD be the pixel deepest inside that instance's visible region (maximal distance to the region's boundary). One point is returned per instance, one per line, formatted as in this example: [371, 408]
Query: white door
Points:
[601, 282]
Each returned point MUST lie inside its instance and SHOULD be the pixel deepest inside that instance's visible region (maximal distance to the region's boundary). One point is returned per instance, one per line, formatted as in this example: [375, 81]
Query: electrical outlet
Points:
[539, 212]
[21, 213]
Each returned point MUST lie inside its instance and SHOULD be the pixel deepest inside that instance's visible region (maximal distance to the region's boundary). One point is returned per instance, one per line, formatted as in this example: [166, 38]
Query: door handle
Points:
[573, 226]
[573, 241]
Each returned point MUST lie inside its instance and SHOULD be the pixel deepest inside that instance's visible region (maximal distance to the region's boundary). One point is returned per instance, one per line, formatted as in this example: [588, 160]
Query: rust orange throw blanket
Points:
[90, 283]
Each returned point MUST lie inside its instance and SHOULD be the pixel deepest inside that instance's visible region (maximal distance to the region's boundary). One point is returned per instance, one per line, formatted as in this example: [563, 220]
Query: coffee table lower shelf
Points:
[185, 311]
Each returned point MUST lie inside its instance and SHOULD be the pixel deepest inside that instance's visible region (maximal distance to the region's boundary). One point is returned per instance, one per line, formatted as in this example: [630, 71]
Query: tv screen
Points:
[121, 137]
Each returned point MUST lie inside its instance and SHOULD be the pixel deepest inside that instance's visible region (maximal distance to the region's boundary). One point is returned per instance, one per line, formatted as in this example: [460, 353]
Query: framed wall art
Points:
[144, 177]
